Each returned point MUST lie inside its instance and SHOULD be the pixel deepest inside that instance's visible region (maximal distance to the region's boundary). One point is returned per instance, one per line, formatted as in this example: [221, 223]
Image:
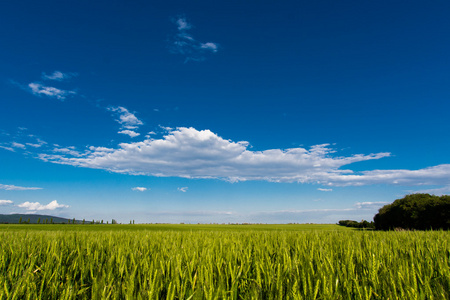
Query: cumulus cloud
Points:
[5, 202]
[37, 206]
[183, 189]
[17, 188]
[129, 133]
[49, 91]
[183, 43]
[139, 189]
[191, 153]
[58, 76]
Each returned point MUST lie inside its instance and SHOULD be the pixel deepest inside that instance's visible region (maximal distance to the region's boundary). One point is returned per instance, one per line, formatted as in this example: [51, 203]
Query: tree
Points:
[415, 211]
[39, 221]
[362, 224]
[20, 220]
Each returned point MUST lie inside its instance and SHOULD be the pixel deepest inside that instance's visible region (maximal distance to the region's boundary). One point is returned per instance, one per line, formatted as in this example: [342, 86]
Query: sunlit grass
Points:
[222, 264]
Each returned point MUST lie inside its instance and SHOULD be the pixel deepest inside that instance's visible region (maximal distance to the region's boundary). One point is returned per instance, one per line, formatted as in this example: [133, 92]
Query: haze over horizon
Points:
[261, 112]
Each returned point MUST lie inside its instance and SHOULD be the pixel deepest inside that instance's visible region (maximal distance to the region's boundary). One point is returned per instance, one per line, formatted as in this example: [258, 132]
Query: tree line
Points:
[414, 211]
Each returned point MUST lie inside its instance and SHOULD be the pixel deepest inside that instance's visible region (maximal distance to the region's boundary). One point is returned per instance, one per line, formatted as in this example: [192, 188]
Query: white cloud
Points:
[436, 175]
[130, 133]
[18, 145]
[5, 202]
[34, 145]
[37, 206]
[210, 46]
[183, 43]
[68, 150]
[165, 128]
[17, 188]
[183, 24]
[183, 189]
[38, 90]
[140, 189]
[126, 119]
[370, 205]
[190, 153]
[58, 76]
[436, 191]
[7, 148]
[325, 190]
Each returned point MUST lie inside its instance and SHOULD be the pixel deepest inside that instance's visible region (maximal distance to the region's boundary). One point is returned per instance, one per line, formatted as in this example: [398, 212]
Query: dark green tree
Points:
[415, 211]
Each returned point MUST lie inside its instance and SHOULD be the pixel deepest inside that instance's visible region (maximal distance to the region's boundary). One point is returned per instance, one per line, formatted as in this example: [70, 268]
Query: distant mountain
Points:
[15, 219]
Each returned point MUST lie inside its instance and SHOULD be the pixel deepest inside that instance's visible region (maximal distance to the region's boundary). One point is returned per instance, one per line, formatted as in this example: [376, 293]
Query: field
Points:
[221, 262]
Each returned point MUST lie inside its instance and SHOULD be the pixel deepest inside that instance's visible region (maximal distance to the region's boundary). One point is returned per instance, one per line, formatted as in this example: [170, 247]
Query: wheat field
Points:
[223, 264]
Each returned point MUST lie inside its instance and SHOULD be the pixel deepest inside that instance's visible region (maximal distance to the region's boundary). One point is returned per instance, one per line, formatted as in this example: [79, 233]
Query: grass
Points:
[221, 262]
[171, 227]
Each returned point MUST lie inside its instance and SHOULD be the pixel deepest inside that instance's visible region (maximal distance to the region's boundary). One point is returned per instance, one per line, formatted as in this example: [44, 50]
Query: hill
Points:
[15, 218]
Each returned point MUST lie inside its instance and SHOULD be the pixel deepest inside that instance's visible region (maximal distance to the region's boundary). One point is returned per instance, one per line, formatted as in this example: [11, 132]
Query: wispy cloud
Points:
[128, 121]
[17, 188]
[183, 189]
[18, 145]
[49, 91]
[130, 133]
[37, 206]
[58, 76]
[435, 191]
[183, 43]
[68, 150]
[370, 205]
[436, 175]
[39, 89]
[5, 202]
[139, 189]
[7, 148]
[325, 190]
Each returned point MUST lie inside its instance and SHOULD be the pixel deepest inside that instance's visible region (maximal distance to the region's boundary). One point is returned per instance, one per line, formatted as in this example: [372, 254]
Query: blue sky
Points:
[222, 111]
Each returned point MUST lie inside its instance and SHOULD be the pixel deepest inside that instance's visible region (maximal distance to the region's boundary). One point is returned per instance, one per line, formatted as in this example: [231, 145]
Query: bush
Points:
[415, 211]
